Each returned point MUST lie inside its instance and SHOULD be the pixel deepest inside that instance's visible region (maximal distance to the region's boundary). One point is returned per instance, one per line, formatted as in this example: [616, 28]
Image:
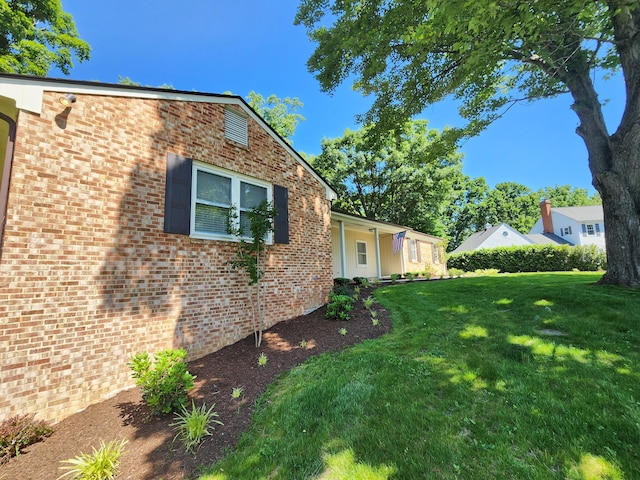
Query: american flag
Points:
[398, 239]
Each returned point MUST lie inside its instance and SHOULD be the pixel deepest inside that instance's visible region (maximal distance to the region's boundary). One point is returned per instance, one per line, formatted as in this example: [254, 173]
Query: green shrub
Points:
[164, 384]
[368, 302]
[395, 277]
[363, 281]
[19, 432]
[410, 276]
[342, 290]
[341, 281]
[530, 258]
[339, 306]
[102, 465]
[193, 425]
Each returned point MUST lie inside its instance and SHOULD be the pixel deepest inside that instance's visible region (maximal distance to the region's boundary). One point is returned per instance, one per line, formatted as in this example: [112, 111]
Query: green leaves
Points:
[403, 178]
[248, 253]
[413, 54]
[193, 425]
[164, 383]
[280, 114]
[36, 35]
[530, 258]
[101, 465]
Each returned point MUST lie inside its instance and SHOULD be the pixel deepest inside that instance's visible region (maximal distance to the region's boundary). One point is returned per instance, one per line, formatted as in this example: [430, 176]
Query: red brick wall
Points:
[87, 276]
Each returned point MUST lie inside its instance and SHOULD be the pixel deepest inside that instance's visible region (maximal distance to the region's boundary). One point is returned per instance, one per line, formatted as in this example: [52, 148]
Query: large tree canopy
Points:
[488, 53]
[404, 180]
[36, 35]
[281, 114]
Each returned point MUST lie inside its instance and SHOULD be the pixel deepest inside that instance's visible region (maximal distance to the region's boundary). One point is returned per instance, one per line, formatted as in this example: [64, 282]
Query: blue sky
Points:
[245, 45]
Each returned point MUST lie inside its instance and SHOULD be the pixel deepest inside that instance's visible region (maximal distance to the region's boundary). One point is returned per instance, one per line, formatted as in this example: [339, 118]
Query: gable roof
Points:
[476, 240]
[28, 91]
[383, 227]
[546, 239]
[581, 214]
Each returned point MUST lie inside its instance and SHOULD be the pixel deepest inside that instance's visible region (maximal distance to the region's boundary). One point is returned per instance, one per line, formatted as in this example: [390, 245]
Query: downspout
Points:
[343, 254]
[6, 175]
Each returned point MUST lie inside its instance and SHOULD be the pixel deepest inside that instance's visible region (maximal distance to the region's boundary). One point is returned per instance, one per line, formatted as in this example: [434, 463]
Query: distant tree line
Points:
[414, 178]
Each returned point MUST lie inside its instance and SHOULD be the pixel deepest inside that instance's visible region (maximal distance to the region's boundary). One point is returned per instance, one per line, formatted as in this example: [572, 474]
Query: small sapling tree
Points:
[251, 248]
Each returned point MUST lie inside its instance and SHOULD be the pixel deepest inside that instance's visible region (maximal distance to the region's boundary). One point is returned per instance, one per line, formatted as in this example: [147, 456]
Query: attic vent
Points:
[235, 127]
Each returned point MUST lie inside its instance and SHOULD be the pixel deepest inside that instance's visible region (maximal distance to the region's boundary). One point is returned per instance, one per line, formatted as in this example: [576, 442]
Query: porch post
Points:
[377, 243]
[343, 254]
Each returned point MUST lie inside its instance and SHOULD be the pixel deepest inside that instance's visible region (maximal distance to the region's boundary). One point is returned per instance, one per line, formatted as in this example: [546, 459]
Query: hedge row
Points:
[531, 258]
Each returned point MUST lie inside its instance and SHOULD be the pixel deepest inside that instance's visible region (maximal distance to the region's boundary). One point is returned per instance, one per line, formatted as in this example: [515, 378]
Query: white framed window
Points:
[591, 230]
[565, 231]
[413, 251]
[236, 127]
[214, 193]
[361, 253]
[438, 253]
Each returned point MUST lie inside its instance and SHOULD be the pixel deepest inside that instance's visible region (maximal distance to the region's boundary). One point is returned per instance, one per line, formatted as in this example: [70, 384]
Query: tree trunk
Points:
[622, 230]
[614, 162]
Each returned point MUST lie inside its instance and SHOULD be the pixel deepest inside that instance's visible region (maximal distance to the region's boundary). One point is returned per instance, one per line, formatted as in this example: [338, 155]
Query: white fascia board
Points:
[28, 93]
[358, 223]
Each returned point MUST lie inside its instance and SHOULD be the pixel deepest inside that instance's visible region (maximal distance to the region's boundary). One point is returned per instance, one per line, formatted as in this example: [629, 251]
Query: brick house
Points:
[113, 200]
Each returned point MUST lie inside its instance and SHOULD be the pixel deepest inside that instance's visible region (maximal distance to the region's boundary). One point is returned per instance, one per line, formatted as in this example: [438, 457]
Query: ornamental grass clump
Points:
[165, 383]
[101, 465]
[193, 425]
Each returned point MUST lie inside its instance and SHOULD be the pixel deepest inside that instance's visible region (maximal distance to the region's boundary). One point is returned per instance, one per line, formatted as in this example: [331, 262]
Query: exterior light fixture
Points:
[68, 100]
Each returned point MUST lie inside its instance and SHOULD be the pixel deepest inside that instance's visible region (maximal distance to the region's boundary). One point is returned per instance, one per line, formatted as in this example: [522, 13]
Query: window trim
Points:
[236, 178]
[366, 254]
[413, 250]
[437, 253]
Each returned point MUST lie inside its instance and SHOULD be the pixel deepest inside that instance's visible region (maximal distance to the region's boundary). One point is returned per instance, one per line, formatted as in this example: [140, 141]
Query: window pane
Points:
[361, 253]
[412, 251]
[251, 195]
[245, 225]
[211, 219]
[213, 188]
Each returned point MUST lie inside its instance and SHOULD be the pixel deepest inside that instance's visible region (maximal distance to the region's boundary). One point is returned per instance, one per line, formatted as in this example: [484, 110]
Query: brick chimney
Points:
[545, 213]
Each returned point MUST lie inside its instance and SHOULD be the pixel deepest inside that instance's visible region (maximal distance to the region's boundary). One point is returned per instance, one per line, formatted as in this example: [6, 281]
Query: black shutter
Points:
[281, 220]
[177, 195]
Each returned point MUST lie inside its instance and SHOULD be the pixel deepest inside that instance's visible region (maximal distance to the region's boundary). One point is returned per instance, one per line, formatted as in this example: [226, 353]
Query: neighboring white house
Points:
[576, 225]
[499, 236]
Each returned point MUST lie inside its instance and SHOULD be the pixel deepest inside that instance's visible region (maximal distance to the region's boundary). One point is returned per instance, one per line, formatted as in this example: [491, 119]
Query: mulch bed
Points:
[151, 452]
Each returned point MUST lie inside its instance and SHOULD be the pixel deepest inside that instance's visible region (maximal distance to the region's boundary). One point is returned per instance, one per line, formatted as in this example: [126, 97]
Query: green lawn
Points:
[522, 376]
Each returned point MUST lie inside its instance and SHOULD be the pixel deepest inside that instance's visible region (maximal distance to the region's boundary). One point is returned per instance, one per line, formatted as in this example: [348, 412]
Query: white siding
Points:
[350, 238]
[504, 237]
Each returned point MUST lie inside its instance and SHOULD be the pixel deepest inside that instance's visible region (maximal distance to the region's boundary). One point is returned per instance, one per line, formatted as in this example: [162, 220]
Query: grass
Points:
[528, 376]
